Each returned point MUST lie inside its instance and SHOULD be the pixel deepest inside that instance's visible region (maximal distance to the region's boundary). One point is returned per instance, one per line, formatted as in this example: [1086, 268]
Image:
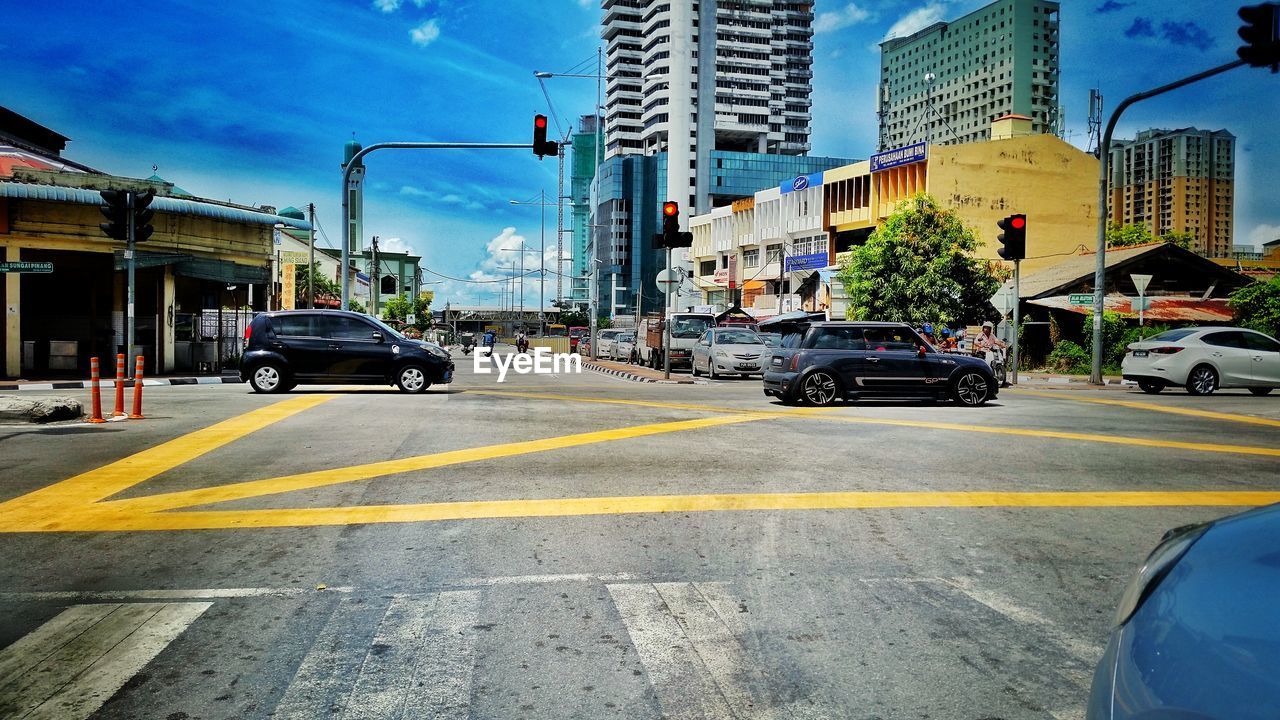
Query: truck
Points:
[686, 328]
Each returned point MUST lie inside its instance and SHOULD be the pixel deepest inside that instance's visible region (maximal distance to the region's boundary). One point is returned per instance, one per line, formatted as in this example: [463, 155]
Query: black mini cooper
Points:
[821, 362]
[293, 347]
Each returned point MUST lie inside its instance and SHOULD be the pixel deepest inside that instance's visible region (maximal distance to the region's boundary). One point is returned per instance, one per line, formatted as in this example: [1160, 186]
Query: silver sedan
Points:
[726, 350]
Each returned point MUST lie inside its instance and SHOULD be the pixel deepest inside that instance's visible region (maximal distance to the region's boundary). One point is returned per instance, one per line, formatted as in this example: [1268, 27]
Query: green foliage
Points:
[1257, 306]
[1068, 357]
[603, 323]
[324, 287]
[1113, 334]
[399, 307]
[356, 306]
[920, 267]
[1181, 239]
[1127, 235]
[575, 318]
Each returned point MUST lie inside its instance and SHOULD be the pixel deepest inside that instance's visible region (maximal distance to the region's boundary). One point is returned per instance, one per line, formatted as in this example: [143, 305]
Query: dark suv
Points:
[821, 362]
[291, 347]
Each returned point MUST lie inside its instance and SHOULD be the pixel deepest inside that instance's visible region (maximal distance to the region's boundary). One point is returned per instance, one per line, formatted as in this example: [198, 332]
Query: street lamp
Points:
[522, 250]
[542, 260]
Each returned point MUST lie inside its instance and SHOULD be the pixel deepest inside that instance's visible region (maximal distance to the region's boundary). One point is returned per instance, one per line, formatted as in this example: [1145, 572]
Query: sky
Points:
[252, 102]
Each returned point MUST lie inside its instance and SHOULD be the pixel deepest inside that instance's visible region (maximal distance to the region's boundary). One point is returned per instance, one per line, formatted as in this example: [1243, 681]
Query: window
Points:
[1233, 339]
[891, 339]
[296, 325]
[836, 338]
[751, 258]
[348, 328]
[1258, 341]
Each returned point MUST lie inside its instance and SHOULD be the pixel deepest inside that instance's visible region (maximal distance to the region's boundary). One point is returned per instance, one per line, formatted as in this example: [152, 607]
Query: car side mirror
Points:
[377, 336]
[921, 351]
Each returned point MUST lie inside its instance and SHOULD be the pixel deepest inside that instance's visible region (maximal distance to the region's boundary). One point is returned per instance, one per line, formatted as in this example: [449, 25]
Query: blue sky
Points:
[251, 102]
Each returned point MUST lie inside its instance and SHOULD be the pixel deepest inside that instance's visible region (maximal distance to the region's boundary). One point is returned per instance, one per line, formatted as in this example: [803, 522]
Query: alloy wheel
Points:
[412, 379]
[971, 389]
[1202, 381]
[266, 378]
[819, 389]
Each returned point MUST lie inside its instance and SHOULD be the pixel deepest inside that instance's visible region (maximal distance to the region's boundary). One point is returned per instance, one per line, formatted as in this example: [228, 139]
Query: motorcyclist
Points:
[522, 341]
[988, 344]
[490, 339]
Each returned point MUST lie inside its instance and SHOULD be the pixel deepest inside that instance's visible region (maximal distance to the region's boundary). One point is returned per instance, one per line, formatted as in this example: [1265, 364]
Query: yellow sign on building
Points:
[288, 286]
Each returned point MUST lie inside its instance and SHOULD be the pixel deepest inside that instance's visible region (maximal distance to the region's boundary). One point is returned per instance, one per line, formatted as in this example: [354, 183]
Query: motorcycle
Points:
[522, 345]
[999, 364]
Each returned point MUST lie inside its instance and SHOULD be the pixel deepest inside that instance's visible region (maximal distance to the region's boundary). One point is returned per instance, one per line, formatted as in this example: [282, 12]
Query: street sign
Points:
[26, 267]
[1140, 303]
[410, 319]
[1080, 298]
[1003, 299]
[667, 279]
[1140, 282]
[294, 256]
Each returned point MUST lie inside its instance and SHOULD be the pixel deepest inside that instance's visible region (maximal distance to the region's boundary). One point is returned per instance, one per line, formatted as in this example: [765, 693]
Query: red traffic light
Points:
[1018, 222]
[539, 121]
[670, 208]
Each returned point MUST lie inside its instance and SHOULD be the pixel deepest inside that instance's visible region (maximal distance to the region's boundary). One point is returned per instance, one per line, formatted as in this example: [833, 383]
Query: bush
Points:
[1257, 306]
[1068, 357]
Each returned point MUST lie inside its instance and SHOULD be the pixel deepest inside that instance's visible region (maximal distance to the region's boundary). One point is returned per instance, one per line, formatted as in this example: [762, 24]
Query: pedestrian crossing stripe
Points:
[83, 503]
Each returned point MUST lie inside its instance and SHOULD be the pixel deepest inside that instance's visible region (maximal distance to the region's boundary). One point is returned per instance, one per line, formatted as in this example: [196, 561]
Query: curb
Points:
[1073, 381]
[624, 375]
[146, 382]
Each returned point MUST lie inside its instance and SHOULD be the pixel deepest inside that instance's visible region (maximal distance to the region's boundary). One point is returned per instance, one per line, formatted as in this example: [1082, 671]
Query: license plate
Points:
[742, 366]
[1139, 353]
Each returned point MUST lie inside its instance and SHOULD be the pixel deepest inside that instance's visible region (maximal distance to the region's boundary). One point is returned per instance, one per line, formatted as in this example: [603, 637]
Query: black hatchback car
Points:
[292, 347]
[821, 362]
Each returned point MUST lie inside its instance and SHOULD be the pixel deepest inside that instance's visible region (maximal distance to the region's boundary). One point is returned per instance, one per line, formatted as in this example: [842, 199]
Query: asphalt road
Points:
[584, 546]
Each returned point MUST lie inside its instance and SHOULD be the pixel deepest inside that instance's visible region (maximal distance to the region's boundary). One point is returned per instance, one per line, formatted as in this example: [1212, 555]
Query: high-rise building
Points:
[753, 98]
[582, 172]
[947, 83]
[1177, 181]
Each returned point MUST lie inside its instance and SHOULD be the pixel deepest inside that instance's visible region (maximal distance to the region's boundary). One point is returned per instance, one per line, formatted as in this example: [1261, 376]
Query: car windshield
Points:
[689, 327]
[390, 332]
[770, 339]
[737, 337]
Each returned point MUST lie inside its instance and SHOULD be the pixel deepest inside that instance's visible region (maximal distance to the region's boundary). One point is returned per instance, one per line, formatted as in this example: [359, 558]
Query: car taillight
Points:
[1169, 350]
[248, 330]
[795, 363]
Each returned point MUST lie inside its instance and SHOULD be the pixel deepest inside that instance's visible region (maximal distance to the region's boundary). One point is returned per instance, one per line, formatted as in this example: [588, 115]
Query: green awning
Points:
[223, 271]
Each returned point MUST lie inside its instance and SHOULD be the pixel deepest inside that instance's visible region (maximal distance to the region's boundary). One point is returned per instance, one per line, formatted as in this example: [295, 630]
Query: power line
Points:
[478, 282]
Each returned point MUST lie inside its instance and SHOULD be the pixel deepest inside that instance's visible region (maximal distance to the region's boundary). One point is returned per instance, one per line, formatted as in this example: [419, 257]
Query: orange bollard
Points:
[119, 411]
[137, 392]
[95, 392]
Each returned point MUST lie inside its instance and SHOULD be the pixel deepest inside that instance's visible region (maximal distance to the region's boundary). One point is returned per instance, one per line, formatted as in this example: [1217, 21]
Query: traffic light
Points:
[1262, 33]
[116, 211]
[142, 214]
[1013, 237]
[541, 146]
[671, 237]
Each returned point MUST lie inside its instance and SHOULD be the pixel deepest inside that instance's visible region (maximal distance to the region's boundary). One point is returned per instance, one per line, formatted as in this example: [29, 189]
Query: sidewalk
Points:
[636, 373]
[1073, 381]
[20, 385]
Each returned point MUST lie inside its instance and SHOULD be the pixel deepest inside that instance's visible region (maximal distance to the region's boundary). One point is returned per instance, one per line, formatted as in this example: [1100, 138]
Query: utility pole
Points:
[375, 282]
[311, 262]
[542, 266]
[131, 263]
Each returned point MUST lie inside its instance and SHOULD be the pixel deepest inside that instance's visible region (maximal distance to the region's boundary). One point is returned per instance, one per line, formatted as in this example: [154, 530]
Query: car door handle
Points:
[335, 346]
[873, 359]
[1217, 354]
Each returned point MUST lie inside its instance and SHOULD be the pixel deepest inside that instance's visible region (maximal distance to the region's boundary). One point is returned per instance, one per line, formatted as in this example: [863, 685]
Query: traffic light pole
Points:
[131, 264]
[1104, 158]
[666, 328]
[346, 196]
[1017, 289]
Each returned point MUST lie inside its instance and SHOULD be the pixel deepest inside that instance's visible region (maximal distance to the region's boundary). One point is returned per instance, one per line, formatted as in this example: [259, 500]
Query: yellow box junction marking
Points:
[1154, 407]
[80, 503]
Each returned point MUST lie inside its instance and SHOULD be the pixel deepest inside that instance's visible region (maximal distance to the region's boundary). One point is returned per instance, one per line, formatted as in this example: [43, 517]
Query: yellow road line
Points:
[336, 476]
[103, 482]
[1229, 417]
[576, 507]
[827, 414]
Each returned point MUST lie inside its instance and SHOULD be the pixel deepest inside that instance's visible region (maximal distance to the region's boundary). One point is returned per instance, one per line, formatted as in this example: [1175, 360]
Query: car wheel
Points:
[1260, 391]
[971, 389]
[693, 368]
[1151, 386]
[711, 369]
[268, 377]
[819, 388]
[1202, 380]
[412, 379]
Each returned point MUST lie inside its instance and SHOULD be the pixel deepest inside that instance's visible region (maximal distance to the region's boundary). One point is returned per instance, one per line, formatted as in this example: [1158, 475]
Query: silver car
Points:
[623, 348]
[604, 342]
[1203, 359]
[728, 350]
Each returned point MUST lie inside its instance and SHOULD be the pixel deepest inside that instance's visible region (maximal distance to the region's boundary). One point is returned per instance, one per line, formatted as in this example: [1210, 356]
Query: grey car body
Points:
[821, 362]
[1197, 634]
[730, 350]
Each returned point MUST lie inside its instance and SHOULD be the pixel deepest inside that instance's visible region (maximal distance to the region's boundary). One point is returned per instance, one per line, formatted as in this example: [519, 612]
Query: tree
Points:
[325, 288]
[399, 307]
[920, 267]
[575, 317]
[1126, 235]
[1182, 239]
[1257, 306]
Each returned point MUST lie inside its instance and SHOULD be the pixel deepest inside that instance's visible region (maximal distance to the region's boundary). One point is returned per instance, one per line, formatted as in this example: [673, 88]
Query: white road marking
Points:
[419, 664]
[441, 686]
[83, 656]
[696, 666]
[195, 594]
[536, 579]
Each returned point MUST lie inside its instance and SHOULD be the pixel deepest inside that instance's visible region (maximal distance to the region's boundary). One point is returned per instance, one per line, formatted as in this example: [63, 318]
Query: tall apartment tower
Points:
[754, 96]
[949, 81]
[1177, 181]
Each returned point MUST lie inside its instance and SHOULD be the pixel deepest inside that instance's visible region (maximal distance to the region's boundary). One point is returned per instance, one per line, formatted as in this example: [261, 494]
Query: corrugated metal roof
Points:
[177, 206]
[1163, 309]
[1079, 269]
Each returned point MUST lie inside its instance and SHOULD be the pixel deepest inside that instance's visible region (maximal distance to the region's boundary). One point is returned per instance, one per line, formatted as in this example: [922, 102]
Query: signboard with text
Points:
[802, 182]
[26, 267]
[900, 156]
[1080, 298]
[288, 286]
[806, 262]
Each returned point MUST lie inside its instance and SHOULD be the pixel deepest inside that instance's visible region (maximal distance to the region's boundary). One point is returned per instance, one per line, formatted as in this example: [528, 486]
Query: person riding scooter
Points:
[468, 343]
[522, 342]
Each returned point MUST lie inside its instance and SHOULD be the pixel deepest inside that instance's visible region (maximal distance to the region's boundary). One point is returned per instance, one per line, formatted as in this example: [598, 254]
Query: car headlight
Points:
[1175, 544]
[436, 350]
[722, 354]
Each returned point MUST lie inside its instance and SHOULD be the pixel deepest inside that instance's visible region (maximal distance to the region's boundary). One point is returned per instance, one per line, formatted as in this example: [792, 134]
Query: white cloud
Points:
[447, 199]
[1263, 233]
[917, 19]
[387, 6]
[500, 247]
[850, 14]
[426, 33]
[396, 245]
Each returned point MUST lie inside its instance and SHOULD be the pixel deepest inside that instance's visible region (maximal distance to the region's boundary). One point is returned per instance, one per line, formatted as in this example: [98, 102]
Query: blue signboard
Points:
[806, 262]
[803, 182]
[901, 156]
